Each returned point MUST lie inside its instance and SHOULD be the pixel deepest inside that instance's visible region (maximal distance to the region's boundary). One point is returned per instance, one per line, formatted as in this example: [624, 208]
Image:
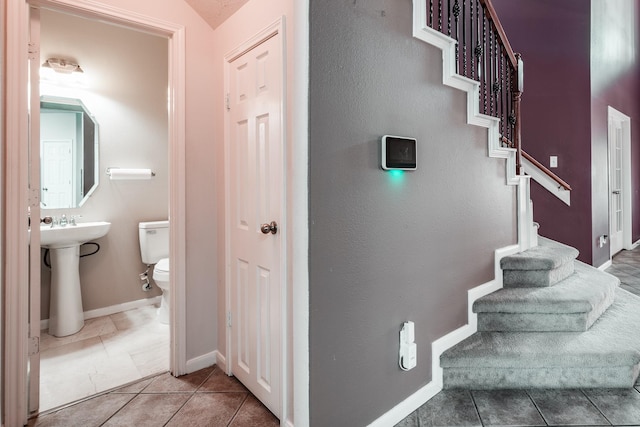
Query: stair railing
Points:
[483, 54]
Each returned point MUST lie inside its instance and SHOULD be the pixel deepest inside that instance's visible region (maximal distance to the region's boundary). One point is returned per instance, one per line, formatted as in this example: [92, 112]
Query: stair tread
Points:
[582, 292]
[548, 255]
[613, 340]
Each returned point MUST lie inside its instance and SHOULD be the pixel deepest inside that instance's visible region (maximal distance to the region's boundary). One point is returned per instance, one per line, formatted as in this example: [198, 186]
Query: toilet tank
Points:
[154, 241]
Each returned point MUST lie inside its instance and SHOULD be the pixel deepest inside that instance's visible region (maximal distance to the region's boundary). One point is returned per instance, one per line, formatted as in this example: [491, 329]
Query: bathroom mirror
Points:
[68, 153]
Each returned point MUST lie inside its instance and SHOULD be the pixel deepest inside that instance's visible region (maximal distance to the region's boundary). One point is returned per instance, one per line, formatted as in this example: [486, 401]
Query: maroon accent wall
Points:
[564, 115]
[553, 38]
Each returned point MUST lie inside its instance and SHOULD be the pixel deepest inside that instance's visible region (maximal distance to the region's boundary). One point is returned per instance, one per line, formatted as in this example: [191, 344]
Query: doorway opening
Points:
[21, 309]
[619, 144]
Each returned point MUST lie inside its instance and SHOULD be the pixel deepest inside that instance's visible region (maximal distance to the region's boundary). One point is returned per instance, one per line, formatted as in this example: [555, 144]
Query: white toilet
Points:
[154, 249]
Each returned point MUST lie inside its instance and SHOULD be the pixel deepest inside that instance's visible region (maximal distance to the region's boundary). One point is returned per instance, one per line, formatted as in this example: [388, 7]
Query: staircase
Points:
[557, 323]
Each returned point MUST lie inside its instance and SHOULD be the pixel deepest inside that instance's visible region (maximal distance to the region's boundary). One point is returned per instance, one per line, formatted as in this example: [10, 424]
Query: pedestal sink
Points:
[66, 316]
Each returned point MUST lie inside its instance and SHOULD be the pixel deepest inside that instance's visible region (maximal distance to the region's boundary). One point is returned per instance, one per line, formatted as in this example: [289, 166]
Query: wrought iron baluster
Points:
[464, 38]
[449, 18]
[484, 64]
[440, 15]
[471, 44]
[456, 14]
[431, 13]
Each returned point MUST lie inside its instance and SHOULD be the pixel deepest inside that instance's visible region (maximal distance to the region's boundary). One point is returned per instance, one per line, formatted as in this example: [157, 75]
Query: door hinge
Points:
[227, 102]
[34, 197]
[33, 51]
[34, 345]
[228, 319]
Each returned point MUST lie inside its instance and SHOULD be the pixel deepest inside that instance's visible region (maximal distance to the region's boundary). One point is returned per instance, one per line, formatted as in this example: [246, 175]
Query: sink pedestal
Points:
[65, 307]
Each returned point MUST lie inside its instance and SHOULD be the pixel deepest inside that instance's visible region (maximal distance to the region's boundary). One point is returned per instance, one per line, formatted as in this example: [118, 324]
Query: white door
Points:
[57, 173]
[34, 210]
[616, 215]
[255, 143]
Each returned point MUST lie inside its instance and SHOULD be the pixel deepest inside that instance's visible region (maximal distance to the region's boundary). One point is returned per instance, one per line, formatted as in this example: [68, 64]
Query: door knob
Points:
[269, 228]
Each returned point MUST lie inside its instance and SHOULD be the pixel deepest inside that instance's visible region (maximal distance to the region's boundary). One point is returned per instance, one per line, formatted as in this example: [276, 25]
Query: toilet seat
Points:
[161, 271]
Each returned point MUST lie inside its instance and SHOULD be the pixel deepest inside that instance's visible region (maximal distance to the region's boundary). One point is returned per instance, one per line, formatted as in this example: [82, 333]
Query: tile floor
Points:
[540, 407]
[206, 398]
[108, 352]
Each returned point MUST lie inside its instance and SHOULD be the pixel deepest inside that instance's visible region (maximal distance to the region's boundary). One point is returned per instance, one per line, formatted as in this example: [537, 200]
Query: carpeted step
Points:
[573, 304]
[607, 355]
[543, 265]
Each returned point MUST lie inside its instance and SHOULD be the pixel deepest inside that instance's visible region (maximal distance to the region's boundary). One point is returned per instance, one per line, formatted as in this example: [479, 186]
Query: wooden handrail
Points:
[490, 11]
[544, 169]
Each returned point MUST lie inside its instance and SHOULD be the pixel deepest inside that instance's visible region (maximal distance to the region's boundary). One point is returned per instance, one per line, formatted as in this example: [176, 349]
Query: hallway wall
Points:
[385, 249]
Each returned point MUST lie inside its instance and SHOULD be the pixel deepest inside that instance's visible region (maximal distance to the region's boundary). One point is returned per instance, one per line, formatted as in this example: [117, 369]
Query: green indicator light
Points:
[396, 175]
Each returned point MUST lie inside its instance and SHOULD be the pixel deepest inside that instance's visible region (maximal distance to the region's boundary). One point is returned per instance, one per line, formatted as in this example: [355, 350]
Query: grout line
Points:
[596, 406]
[537, 408]
[475, 405]
[238, 410]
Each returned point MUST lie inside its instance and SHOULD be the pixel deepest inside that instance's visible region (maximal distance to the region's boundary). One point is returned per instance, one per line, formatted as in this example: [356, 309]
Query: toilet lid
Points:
[162, 265]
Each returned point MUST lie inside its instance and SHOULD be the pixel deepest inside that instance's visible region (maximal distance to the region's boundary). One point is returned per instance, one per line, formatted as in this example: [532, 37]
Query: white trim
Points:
[221, 361]
[202, 361]
[274, 29]
[451, 78]
[546, 181]
[299, 216]
[627, 182]
[16, 263]
[604, 266]
[634, 245]
[112, 309]
[439, 346]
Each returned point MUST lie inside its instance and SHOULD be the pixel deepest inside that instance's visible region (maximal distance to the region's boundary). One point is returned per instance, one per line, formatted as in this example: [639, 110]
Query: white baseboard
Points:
[604, 266]
[112, 309]
[202, 361]
[439, 346]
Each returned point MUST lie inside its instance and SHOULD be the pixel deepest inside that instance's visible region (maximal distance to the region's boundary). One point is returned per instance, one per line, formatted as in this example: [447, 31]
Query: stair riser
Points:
[537, 278]
[510, 378]
[535, 322]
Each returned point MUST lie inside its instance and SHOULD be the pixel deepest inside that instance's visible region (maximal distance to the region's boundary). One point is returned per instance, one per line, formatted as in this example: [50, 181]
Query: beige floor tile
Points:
[74, 367]
[92, 328]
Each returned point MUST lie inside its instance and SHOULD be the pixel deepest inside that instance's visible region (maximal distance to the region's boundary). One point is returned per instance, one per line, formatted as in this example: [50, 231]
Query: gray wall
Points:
[386, 250]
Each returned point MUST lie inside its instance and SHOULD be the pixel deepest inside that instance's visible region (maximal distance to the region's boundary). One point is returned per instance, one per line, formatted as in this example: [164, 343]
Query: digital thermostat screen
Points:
[398, 153]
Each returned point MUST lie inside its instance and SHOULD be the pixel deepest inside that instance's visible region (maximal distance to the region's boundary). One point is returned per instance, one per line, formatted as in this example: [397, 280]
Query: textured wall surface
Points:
[553, 38]
[387, 249]
[615, 82]
[580, 57]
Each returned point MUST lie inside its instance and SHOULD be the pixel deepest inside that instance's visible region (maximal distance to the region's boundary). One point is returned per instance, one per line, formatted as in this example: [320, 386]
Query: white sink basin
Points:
[70, 235]
[66, 316]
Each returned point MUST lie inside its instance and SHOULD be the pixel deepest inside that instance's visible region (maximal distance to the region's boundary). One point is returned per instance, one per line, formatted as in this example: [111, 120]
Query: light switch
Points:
[553, 161]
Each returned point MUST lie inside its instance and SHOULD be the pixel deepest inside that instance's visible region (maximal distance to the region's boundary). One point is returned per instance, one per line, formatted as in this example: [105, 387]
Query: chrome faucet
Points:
[63, 221]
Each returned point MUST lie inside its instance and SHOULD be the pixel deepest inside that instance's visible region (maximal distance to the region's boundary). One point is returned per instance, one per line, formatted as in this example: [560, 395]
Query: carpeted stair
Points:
[557, 323]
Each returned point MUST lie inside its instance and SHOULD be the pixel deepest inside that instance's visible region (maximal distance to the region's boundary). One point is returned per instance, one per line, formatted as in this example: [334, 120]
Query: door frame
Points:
[276, 28]
[16, 303]
[612, 113]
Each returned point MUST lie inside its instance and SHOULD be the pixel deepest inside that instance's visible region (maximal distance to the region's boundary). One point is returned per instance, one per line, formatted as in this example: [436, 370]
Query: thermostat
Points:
[398, 153]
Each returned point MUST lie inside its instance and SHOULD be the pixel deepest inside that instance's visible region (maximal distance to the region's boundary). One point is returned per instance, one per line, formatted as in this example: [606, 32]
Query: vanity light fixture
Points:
[62, 66]
[62, 72]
